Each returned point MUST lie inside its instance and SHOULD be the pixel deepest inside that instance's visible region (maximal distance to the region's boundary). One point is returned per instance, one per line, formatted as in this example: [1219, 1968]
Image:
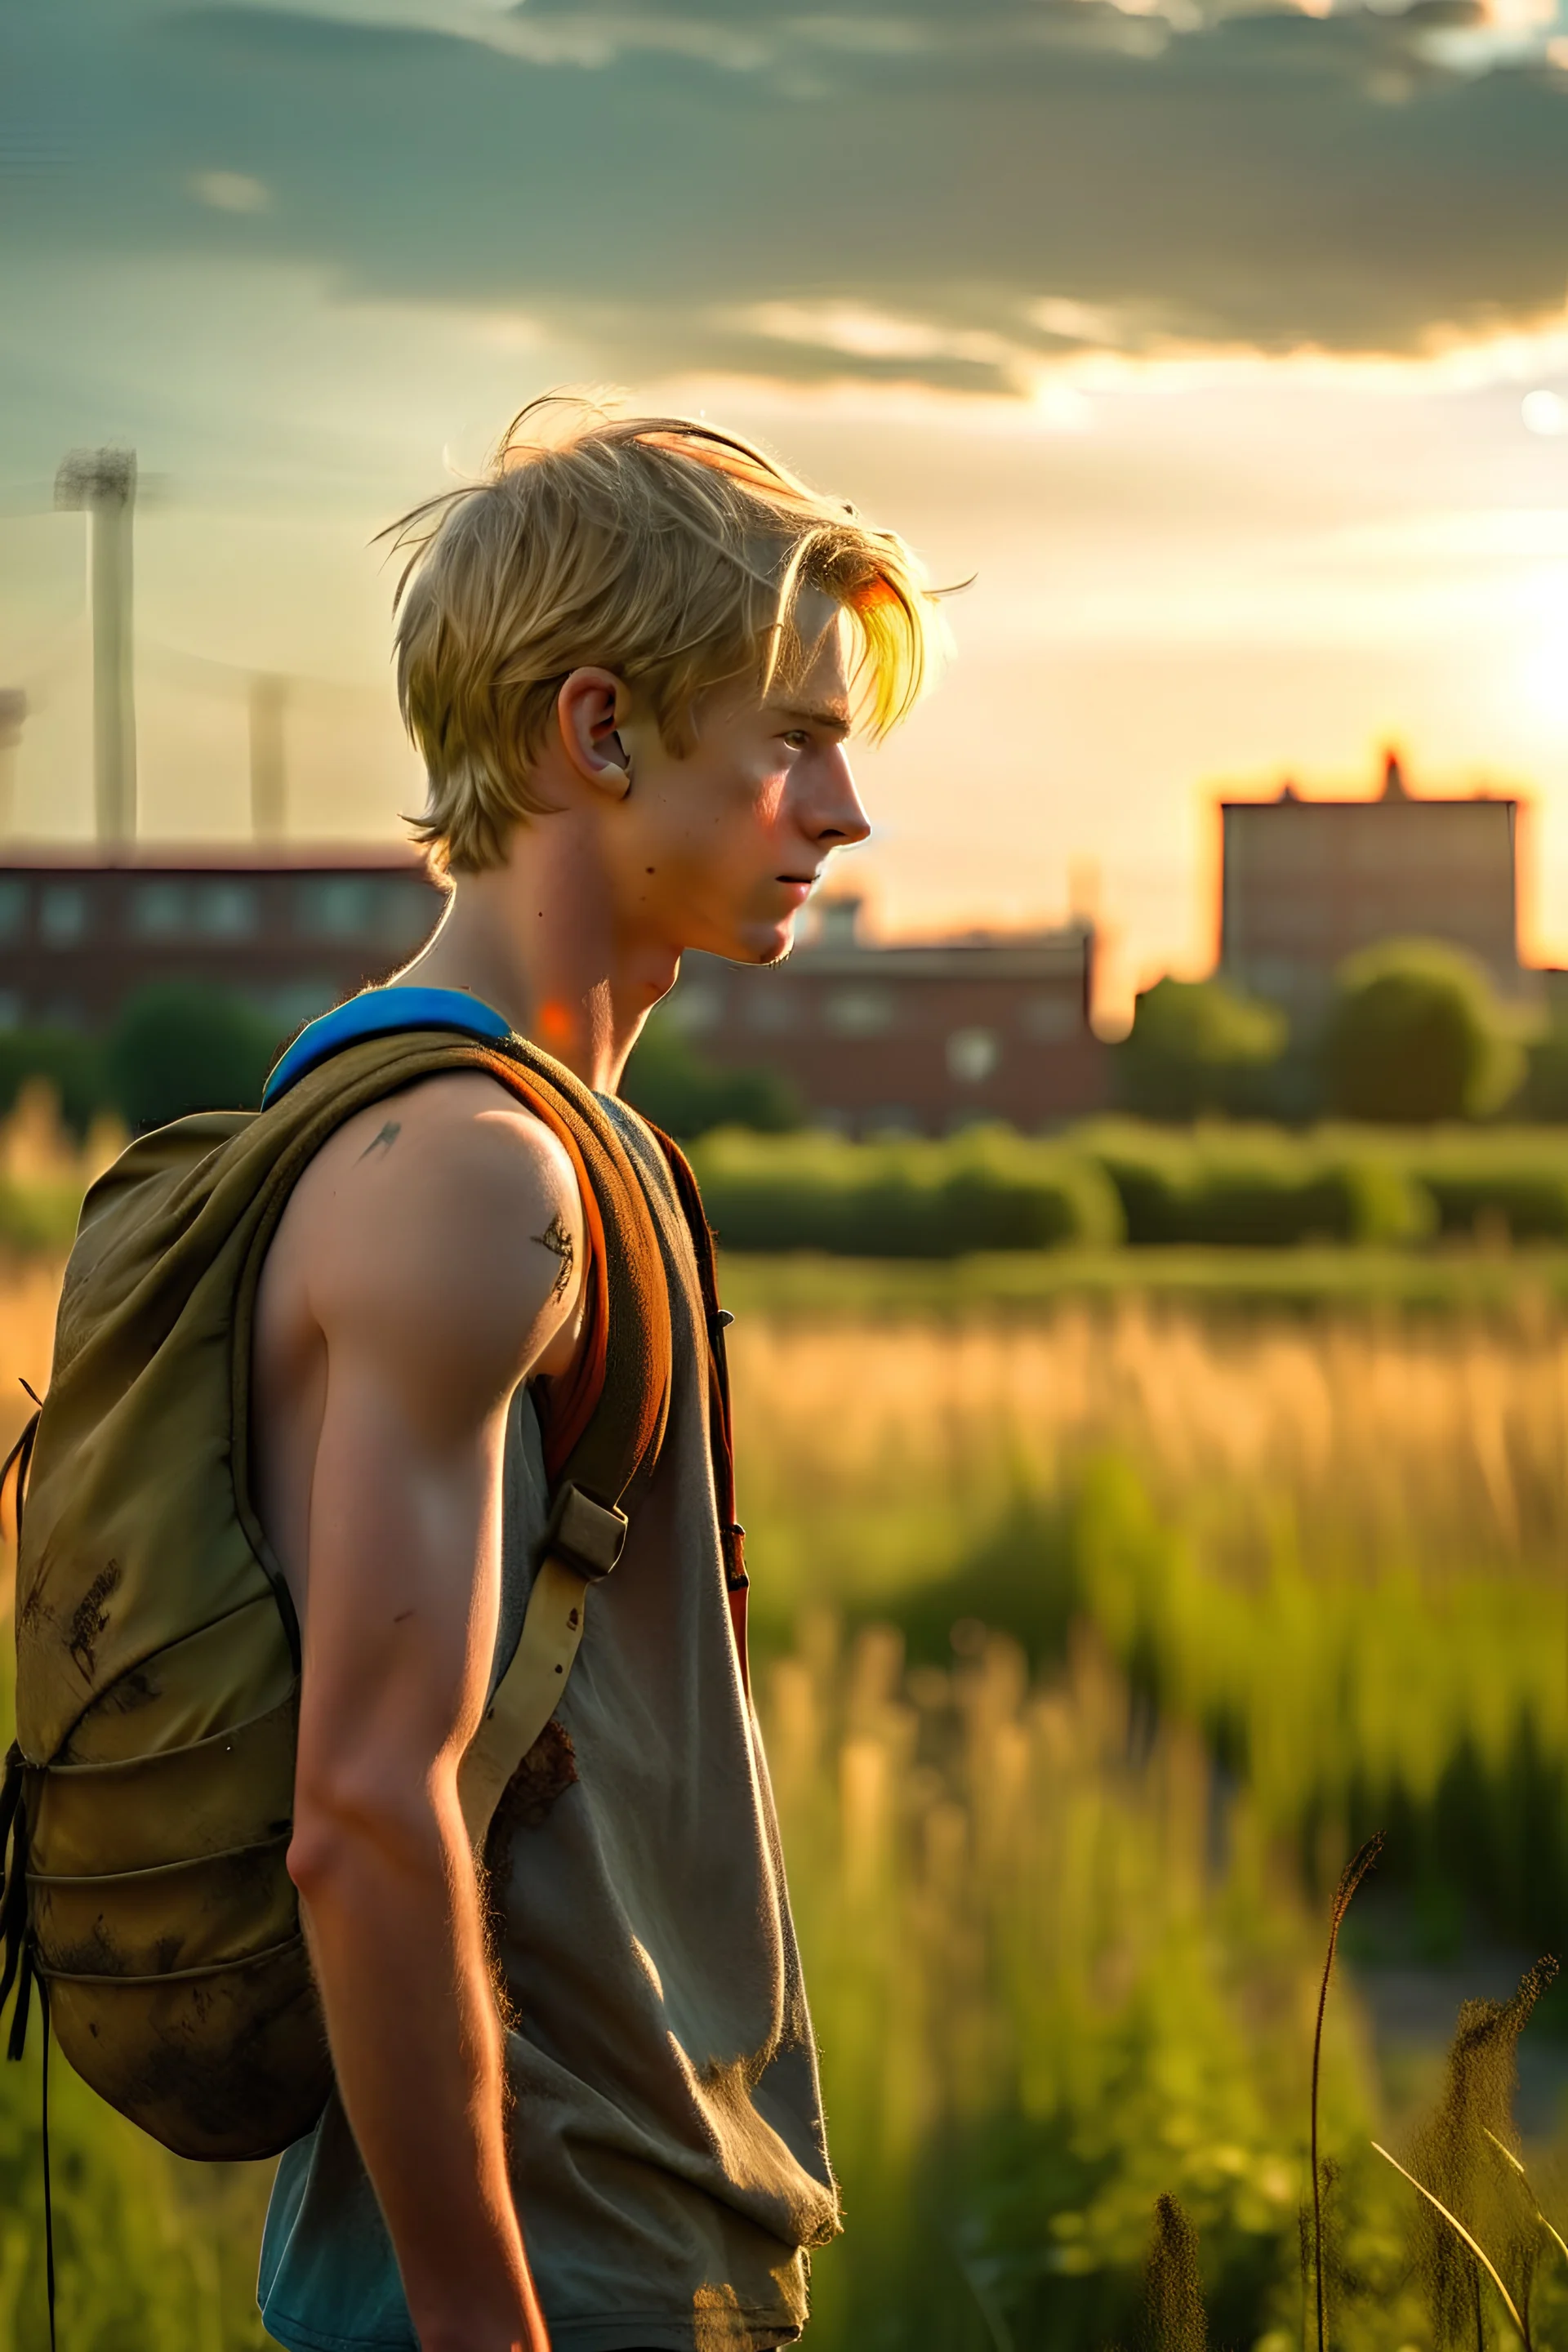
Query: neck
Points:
[538, 939]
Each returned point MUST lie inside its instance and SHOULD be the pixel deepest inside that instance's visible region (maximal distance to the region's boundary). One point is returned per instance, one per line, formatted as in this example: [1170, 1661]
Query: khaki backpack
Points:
[149, 1795]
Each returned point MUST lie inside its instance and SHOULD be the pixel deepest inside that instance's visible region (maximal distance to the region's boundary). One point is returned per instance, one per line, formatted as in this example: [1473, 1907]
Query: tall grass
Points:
[1087, 1644]
[1337, 1549]
[1050, 1986]
[877, 1447]
[45, 1171]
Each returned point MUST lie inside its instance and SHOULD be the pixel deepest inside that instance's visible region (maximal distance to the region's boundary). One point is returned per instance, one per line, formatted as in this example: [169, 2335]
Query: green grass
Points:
[38, 1218]
[1041, 2006]
[1255, 1583]
[1452, 1281]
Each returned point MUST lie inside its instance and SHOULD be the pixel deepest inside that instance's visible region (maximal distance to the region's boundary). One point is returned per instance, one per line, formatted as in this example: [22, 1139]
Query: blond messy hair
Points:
[669, 553]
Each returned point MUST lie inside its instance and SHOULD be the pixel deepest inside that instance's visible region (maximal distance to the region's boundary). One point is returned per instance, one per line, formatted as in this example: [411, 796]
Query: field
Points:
[1095, 1624]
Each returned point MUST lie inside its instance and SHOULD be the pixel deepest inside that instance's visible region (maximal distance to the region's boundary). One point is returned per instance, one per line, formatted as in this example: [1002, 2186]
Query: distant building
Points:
[293, 930]
[1307, 882]
[921, 1037]
[986, 1026]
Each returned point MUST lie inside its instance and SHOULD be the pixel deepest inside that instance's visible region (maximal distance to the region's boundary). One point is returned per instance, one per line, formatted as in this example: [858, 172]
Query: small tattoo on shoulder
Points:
[558, 1242]
[385, 1140]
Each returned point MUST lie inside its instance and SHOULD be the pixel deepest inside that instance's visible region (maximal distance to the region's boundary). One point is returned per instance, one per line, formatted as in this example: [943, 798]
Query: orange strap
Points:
[568, 1404]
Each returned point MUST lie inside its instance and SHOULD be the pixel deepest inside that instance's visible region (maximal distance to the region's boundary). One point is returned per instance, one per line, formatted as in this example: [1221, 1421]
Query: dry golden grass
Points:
[1015, 1928]
[28, 1291]
[38, 1156]
[1059, 1966]
[1454, 1428]
[1447, 1436]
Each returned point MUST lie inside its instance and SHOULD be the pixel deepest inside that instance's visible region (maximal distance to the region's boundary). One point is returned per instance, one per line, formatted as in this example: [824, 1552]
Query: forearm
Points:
[393, 1916]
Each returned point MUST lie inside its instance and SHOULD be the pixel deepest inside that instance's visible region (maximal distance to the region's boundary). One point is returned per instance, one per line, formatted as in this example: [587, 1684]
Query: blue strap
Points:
[380, 1013]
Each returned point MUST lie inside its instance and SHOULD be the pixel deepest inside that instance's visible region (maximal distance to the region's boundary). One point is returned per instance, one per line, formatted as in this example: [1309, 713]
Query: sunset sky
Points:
[1228, 348]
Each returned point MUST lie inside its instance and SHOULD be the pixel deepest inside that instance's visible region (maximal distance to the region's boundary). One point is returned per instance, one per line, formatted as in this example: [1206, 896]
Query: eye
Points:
[797, 738]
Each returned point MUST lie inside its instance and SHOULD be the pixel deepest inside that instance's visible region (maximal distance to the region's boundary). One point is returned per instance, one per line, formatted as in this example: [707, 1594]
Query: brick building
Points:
[293, 929]
[928, 1037]
[1307, 882]
[925, 1037]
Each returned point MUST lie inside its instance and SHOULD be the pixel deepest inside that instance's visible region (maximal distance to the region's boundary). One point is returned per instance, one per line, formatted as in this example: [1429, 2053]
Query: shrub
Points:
[72, 1065]
[1197, 1046]
[1544, 1094]
[177, 1048]
[672, 1084]
[985, 1190]
[1510, 1180]
[1416, 1033]
[1256, 1186]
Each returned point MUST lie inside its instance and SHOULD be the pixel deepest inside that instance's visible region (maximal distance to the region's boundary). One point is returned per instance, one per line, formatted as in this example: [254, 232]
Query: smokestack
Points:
[13, 711]
[268, 773]
[104, 482]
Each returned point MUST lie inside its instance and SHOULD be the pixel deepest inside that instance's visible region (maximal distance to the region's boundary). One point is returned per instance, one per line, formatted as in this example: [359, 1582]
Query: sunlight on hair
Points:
[657, 547]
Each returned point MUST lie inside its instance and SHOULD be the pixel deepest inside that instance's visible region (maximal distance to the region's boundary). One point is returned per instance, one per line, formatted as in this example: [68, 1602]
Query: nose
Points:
[835, 817]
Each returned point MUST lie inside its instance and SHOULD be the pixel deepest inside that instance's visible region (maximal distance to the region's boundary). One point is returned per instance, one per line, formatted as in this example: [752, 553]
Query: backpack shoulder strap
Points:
[603, 1424]
[602, 1428]
[582, 1544]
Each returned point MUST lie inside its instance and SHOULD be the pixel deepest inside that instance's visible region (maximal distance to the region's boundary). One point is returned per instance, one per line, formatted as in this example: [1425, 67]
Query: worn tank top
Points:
[667, 2138]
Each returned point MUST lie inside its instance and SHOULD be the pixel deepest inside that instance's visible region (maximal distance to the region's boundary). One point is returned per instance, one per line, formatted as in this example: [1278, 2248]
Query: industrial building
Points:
[292, 929]
[923, 1036]
[1308, 882]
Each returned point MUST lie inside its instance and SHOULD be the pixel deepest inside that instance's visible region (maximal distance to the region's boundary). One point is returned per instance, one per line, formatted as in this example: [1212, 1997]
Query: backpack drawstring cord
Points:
[20, 1458]
[15, 1948]
[48, 2184]
[15, 1944]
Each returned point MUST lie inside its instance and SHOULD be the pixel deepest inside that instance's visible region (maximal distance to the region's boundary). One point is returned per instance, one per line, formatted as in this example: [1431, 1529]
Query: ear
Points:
[586, 709]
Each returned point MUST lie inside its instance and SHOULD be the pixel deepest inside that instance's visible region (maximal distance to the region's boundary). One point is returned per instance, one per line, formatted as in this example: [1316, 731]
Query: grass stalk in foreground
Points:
[1351, 1877]
[1474, 2244]
[1508, 2158]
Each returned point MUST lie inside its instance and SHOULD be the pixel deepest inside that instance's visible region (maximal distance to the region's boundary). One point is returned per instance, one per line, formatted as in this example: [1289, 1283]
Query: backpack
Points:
[149, 1796]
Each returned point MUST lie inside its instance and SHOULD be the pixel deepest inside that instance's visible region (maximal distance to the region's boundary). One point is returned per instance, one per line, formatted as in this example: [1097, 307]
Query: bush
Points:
[985, 1190]
[672, 1084]
[176, 1049]
[1416, 1033]
[1544, 1094]
[1511, 1181]
[72, 1065]
[39, 1216]
[1195, 1047]
[1257, 1187]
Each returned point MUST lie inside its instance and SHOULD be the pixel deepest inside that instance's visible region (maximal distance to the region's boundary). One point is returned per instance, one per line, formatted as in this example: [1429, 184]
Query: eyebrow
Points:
[834, 716]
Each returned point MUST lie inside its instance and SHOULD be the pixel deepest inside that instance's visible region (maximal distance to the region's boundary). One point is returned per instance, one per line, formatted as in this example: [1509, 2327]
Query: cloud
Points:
[969, 200]
[1544, 413]
[230, 191]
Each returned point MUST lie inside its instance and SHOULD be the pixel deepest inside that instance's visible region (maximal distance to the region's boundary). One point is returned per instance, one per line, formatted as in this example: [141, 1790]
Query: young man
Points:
[631, 659]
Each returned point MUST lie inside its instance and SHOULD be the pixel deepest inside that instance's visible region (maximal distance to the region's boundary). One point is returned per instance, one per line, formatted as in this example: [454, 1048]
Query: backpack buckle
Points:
[587, 1534]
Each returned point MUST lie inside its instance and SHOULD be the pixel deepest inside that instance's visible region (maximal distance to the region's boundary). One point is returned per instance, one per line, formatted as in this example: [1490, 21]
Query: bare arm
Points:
[433, 1297]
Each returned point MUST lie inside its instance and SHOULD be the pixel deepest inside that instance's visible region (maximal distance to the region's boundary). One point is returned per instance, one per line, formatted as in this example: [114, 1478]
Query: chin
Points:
[760, 943]
[773, 945]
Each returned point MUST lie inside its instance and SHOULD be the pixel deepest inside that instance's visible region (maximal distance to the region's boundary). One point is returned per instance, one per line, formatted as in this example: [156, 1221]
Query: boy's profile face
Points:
[719, 850]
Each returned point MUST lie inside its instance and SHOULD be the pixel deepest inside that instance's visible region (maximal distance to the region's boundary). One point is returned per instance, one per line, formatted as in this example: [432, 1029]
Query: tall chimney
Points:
[268, 773]
[104, 482]
[13, 711]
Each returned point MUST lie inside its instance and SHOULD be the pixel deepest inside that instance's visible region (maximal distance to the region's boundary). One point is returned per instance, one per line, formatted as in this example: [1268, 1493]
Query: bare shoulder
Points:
[444, 1225]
